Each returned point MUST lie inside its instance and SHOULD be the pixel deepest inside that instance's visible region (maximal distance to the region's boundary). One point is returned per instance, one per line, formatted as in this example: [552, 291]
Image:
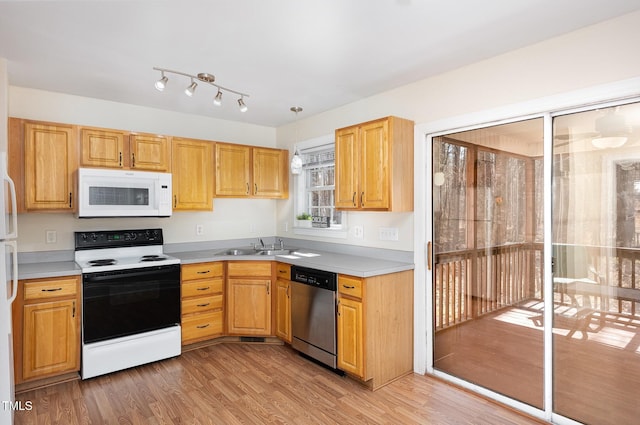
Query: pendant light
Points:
[296, 161]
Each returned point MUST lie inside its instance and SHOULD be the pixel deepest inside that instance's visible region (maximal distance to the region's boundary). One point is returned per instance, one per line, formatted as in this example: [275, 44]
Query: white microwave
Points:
[123, 193]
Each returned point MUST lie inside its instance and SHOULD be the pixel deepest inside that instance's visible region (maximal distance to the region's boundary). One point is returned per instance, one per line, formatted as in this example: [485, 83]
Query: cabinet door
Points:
[101, 148]
[233, 168]
[283, 310]
[249, 302]
[374, 175]
[149, 152]
[50, 338]
[49, 163]
[192, 175]
[270, 173]
[347, 168]
[350, 337]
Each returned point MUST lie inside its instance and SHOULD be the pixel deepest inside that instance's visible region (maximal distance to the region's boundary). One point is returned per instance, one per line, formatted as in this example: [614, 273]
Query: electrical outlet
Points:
[286, 227]
[199, 229]
[388, 233]
[52, 236]
[358, 232]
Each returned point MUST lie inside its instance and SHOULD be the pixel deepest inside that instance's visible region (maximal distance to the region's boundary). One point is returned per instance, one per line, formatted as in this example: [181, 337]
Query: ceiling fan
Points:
[611, 131]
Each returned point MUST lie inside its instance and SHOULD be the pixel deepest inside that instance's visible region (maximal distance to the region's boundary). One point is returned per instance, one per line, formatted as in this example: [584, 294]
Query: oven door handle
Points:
[89, 279]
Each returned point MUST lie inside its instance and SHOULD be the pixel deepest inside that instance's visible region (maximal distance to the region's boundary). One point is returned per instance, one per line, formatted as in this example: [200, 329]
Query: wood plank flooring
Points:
[254, 384]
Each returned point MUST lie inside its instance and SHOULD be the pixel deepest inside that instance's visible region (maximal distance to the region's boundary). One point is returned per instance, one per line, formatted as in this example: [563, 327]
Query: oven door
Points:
[127, 302]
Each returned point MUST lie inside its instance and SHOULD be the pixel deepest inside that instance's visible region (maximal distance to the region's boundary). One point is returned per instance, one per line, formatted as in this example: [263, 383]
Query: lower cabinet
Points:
[46, 328]
[249, 298]
[375, 327]
[202, 294]
[283, 301]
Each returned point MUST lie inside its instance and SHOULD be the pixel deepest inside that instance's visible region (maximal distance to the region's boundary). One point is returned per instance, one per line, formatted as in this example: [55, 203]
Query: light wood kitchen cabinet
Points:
[245, 172]
[46, 328]
[150, 153]
[283, 301]
[102, 148]
[374, 166]
[50, 161]
[202, 299]
[192, 174]
[270, 173]
[249, 298]
[375, 327]
[233, 170]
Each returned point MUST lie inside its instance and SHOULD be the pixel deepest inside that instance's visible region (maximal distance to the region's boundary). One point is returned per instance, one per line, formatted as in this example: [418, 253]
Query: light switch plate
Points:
[52, 236]
[388, 233]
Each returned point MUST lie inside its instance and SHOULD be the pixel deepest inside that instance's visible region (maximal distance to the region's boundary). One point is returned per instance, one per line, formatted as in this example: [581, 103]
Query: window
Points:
[315, 185]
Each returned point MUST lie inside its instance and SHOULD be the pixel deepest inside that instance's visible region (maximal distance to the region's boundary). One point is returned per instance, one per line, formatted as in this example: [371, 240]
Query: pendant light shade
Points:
[296, 160]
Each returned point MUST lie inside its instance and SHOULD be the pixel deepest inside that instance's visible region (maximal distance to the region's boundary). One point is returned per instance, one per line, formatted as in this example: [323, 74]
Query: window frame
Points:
[301, 194]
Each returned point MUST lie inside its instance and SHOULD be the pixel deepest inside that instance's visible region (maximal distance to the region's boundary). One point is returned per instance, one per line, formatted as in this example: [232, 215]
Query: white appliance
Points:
[8, 289]
[123, 193]
[130, 300]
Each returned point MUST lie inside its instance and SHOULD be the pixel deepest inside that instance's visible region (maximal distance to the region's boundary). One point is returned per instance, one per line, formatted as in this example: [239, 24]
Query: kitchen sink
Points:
[274, 252]
[239, 251]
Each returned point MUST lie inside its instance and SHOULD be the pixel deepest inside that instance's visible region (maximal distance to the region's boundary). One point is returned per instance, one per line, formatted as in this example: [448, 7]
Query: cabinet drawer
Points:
[50, 288]
[201, 270]
[195, 305]
[283, 271]
[245, 268]
[201, 326]
[349, 285]
[200, 287]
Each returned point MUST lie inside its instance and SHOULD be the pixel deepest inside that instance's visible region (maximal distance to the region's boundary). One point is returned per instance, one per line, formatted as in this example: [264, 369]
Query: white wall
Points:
[595, 55]
[231, 218]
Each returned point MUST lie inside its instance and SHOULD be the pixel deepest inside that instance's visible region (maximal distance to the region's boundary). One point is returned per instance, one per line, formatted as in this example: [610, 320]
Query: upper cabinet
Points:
[245, 171]
[270, 173]
[192, 174]
[374, 166]
[101, 148]
[49, 161]
[118, 149]
[150, 152]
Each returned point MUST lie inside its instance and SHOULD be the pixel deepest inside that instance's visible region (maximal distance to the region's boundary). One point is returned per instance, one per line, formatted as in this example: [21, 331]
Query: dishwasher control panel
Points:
[313, 277]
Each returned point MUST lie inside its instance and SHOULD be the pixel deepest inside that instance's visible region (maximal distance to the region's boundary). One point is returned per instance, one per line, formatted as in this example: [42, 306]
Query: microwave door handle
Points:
[14, 277]
[14, 209]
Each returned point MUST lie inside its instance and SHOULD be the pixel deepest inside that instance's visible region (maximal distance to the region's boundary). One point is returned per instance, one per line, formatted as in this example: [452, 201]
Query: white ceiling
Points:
[316, 54]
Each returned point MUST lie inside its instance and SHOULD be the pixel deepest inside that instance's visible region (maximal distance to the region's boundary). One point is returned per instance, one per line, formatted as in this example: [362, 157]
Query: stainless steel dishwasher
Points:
[313, 314]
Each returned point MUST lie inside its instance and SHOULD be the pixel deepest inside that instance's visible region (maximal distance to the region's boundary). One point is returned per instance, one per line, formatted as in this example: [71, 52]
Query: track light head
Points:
[162, 82]
[192, 88]
[242, 106]
[218, 99]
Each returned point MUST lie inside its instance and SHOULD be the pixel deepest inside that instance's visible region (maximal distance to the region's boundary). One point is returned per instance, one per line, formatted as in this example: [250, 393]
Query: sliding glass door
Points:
[487, 238]
[596, 247]
[492, 288]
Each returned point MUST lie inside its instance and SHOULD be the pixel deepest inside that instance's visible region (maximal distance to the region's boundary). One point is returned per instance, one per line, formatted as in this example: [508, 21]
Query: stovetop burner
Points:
[103, 262]
[153, 258]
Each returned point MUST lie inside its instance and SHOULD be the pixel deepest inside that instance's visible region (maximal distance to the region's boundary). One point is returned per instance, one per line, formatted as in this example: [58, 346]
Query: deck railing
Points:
[472, 283]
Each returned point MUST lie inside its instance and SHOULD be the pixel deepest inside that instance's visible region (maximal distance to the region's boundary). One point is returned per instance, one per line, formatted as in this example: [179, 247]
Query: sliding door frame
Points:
[547, 108]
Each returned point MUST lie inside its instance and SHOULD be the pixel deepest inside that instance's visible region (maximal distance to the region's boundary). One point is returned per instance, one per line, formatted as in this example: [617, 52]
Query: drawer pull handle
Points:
[203, 289]
[348, 287]
[202, 326]
[52, 290]
[204, 272]
[203, 305]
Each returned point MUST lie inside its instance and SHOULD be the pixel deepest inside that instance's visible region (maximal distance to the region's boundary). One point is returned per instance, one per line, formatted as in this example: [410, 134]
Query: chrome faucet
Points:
[281, 243]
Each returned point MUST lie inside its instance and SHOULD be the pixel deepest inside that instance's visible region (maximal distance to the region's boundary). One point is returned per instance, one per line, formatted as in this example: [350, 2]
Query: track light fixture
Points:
[201, 77]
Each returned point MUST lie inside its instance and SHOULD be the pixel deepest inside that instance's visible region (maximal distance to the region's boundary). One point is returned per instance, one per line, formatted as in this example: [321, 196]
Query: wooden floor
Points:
[596, 360]
[254, 384]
